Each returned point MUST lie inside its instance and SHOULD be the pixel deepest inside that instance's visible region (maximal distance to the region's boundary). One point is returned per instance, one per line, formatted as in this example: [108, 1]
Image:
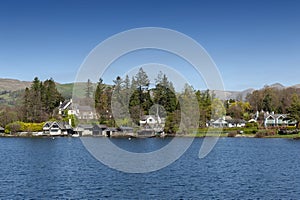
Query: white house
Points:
[221, 122]
[64, 106]
[236, 123]
[227, 121]
[57, 128]
[278, 120]
[85, 112]
[152, 122]
[149, 120]
[81, 112]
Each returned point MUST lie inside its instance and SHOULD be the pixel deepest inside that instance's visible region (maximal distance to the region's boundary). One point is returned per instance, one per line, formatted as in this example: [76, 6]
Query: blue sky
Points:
[253, 43]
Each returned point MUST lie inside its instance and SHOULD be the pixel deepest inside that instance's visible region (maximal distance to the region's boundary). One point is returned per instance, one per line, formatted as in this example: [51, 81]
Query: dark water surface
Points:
[237, 168]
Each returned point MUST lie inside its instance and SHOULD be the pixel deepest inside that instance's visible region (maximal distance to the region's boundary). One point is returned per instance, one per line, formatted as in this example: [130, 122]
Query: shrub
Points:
[250, 130]
[251, 125]
[13, 127]
[23, 127]
[264, 133]
[231, 134]
[288, 131]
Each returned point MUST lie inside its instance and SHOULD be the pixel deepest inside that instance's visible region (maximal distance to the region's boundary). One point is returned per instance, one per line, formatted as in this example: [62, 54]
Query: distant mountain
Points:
[240, 95]
[11, 90]
[13, 84]
[276, 86]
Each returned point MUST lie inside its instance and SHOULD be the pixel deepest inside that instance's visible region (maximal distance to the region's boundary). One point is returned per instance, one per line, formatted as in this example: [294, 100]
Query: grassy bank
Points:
[240, 132]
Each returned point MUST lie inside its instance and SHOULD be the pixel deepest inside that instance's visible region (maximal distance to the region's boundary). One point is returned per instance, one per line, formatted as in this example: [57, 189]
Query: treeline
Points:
[40, 100]
[284, 101]
[38, 104]
[128, 100]
[272, 99]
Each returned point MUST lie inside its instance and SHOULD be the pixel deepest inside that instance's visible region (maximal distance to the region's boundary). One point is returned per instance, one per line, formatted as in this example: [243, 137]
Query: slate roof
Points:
[85, 108]
[61, 125]
[65, 104]
[125, 128]
[233, 121]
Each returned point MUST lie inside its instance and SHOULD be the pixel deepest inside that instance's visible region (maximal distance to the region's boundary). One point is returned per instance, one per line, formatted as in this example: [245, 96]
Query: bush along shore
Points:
[248, 132]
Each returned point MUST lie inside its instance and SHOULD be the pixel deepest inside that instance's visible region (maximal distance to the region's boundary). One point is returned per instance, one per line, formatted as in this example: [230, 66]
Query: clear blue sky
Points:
[253, 43]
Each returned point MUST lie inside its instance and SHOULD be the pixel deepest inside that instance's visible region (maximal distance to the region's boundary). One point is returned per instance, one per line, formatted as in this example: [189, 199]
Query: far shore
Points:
[198, 135]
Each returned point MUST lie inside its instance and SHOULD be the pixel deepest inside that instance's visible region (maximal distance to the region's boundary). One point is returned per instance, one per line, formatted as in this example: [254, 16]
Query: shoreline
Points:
[223, 135]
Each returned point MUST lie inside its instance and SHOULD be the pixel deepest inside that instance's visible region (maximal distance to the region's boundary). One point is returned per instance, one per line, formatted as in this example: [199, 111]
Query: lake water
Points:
[237, 168]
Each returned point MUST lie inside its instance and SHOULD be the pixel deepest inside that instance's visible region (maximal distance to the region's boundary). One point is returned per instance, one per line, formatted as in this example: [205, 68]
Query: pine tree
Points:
[164, 93]
[89, 89]
[294, 109]
[50, 96]
[36, 100]
[40, 101]
[140, 100]
[102, 101]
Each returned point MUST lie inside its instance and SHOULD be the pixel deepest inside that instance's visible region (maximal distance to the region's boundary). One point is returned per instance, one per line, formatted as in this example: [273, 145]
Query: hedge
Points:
[23, 127]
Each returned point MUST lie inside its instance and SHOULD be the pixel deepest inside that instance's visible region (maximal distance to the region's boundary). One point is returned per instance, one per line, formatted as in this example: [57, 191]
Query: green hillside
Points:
[11, 90]
[67, 89]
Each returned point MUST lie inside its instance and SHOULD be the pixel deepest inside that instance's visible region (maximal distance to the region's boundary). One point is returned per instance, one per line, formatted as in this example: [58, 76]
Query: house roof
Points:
[227, 117]
[65, 104]
[85, 126]
[99, 126]
[1, 128]
[60, 124]
[220, 121]
[232, 121]
[125, 128]
[275, 116]
[78, 128]
[85, 108]
[111, 129]
[48, 124]
[145, 117]
[252, 120]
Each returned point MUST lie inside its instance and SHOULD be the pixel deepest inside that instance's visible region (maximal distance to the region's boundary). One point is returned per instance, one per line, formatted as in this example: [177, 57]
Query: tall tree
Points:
[101, 101]
[36, 100]
[239, 109]
[164, 93]
[50, 96]
[140, 100]
[204, 102]
[189, 109]
[40, 101]
[142, 79]
[294, 109]
[89, 89]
